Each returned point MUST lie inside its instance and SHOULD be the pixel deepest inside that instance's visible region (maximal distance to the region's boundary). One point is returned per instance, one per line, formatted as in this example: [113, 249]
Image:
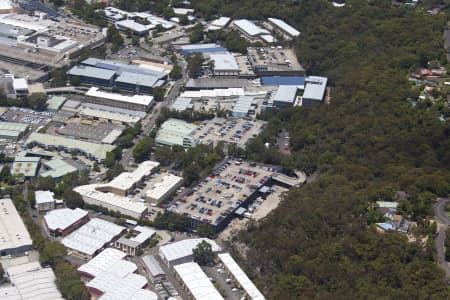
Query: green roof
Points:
[25, 165]
[95, 150]
[57, 168]
[173, 131]
[55, 102]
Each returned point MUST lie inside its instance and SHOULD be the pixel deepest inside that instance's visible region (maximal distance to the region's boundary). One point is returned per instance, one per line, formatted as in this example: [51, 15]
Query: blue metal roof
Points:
[283, 80]
[36, 5]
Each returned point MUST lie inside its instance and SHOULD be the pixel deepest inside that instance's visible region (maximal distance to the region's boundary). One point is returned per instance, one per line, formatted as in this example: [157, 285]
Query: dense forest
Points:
[366, 144]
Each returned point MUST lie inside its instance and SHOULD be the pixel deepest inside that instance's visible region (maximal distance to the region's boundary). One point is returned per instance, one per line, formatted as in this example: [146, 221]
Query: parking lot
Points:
[233, 131]
[89, 130]
[27, 116]
[222, 192]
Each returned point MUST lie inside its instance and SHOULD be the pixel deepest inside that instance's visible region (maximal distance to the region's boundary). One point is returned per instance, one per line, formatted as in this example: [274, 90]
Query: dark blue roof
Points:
[36, 5]
[203, 50]
[283, 80]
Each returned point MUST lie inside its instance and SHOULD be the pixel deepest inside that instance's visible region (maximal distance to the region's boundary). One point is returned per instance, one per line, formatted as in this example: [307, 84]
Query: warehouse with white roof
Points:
[126, 181]
[65, 220]
[30, 281]
[240, 278]
[130, 245]
[92, 236]
[134, 102]
[250, 30]
[315, 90]
[181, 252]
[111, 201]
[285, 96]
[44, 200]
[195, 281]
[114, 278]
[163, 187]
[14, 236]
[225, 64]
[219, 23]
[284, 28]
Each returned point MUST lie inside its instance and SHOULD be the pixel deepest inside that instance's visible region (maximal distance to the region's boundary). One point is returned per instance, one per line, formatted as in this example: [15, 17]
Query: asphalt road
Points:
[439, 211]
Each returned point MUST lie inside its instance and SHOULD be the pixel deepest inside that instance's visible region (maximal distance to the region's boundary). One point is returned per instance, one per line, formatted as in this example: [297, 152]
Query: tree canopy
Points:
[366, 144]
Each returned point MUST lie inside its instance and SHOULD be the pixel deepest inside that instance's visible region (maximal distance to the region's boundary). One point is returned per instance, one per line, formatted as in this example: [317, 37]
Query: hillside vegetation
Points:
[368, 143]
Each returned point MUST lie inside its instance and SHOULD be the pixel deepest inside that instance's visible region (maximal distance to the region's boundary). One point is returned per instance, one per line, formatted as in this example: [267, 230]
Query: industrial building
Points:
[12, 132]
[219, 24]
[87, 240]
[298, 81]
[242, 107]
[153, 268]
[285, 96]
[315, 90]
[26, 166]
[126, 181]
[92, 76]
[225, 65]
[195, 84]
[114, 278]
[136, 28]
[54, 103]
[30, 281]
[14, 236]
[135, 102]
[201, 48]
[240, 279]
[163, 187]
[61, 222]
[91, 150]
[108, 73]
[111, 201]
[56, 168]
[176, 132]
[44, 201]
[33, 44]
[253, 32]
[195, 282]
[274, 61]
[181, 252]
[141, 235]
[283, 28]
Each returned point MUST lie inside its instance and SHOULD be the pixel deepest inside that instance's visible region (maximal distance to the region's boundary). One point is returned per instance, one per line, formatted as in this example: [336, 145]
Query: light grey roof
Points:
[152, 265]
[285, 93]
[315, 88]
[285, 27]
[182, 104]
[224, 61]
[91, 72]
[243, 104]
[137, 79]
[128, 242]
[120, 67]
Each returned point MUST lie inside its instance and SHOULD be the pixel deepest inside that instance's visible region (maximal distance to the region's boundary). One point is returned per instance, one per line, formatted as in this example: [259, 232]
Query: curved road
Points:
[439, 211]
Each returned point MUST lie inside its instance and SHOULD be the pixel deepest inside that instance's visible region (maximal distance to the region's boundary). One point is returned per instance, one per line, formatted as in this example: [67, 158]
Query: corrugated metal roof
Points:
[250, 28]
[240, 276]
[285, 93]
[283, 80]
[152, 265]
[315, 88]
[91, 72]
[197, 282]
[285, 27]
